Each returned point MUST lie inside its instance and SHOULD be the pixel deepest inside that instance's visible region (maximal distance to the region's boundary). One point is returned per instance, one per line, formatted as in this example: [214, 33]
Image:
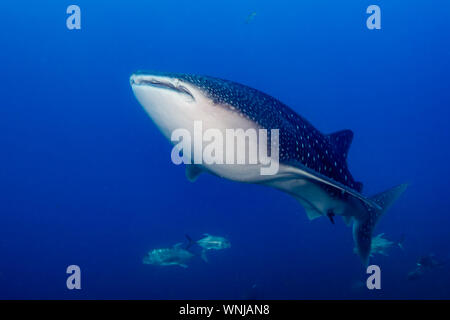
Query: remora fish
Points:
[312, 166]
[176, 255]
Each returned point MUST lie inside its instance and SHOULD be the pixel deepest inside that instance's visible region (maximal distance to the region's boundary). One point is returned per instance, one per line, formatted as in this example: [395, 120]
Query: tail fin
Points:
[190, 241]
[400, 242]
[204, 257]
[363, 226]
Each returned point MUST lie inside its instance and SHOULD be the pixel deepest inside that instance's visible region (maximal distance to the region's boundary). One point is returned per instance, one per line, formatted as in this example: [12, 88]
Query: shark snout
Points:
[158, 82]
[137, 79]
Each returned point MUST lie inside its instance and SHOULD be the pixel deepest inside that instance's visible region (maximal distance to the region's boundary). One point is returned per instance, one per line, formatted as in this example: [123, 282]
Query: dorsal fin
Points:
[341, 140]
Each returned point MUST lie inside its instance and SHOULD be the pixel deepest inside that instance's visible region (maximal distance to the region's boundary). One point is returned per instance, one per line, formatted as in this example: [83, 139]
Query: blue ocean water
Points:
[86, 177]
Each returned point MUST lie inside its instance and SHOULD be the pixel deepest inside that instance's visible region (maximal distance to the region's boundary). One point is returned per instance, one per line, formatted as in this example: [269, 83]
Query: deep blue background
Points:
[86, 178]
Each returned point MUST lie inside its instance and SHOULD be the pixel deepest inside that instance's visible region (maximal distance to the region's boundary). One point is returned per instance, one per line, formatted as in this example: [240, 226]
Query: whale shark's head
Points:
[171, 101]
[199, 112]
[176, 100]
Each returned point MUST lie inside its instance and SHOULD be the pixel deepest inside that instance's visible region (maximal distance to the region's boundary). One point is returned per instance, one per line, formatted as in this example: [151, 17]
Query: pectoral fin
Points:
[312, 214]
[192, 172]
[310, 211]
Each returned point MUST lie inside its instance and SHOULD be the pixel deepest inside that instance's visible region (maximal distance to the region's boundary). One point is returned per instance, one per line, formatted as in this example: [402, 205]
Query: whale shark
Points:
[312, 165]
[173, 256]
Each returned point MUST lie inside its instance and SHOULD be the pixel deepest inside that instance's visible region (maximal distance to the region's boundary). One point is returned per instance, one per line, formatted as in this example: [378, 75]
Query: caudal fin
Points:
[204, 257]
[190, 241]
[400, 242]
[364, 225]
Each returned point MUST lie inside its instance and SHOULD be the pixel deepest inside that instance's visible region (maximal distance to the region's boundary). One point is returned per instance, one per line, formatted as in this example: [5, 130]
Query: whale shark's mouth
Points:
[160, 83]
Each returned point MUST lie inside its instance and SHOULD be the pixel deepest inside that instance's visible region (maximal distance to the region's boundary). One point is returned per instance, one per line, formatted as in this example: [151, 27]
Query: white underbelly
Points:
[237, 172]
[224, 122]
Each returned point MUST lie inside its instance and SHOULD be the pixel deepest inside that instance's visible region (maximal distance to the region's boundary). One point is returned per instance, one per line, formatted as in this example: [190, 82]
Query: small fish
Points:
[416, 273]
[429, 262]
[380, 245]
[210, 242]
[425, 264]
[250, 17]
[177, 255]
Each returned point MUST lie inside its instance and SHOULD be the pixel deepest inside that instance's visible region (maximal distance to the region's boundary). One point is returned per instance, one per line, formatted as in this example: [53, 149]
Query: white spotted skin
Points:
[171, 110]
